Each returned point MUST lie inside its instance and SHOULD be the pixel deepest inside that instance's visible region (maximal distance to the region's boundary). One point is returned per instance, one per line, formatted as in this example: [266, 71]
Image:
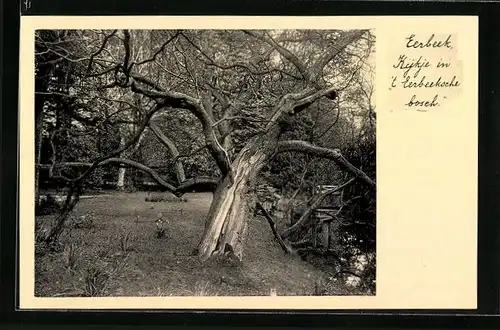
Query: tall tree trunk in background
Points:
[174, 153]
[38, 144]
[120, 182]
[43, 75]
[41, 85]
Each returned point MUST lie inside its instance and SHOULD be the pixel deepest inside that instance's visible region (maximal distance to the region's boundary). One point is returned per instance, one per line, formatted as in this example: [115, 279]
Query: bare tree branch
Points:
[283, 51]
[126, 44]
[305, 102]
[125, 146]
[345, 40]
[217, 123]
[105, 41]
[118, 162]
[181, 100]
[333, 154]
[184, 187]
[160, 50]
[241, 65]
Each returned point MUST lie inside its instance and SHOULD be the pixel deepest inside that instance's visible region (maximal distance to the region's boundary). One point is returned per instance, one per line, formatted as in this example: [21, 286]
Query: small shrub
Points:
[137, 216]
[161, 226]
[160, 233]
[130, 189]
[368, 276]
[47, 205]
[164, 197]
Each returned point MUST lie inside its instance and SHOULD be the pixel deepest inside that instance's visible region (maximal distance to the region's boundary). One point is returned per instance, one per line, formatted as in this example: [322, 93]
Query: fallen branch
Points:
[266, 215]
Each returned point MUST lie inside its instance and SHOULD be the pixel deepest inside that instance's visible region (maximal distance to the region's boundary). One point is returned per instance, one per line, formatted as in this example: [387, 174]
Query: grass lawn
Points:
[118, 254]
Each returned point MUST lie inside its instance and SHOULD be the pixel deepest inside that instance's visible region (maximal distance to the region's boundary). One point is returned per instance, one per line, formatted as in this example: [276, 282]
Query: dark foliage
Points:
[360, 211]
[46, 206]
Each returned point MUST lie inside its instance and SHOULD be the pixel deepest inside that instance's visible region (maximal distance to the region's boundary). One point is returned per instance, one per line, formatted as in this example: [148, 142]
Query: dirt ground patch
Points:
[118, 254]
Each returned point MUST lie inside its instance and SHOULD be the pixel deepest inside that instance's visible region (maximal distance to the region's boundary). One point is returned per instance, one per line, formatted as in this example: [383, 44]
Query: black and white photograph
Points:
[205, 162]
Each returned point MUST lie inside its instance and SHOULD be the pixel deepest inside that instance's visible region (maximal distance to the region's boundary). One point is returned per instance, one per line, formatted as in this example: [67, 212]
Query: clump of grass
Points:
[42, 230]
[205, 289]
[95, 281]
[71, 255]
[125, 241]
[105, 250]
[86, 221]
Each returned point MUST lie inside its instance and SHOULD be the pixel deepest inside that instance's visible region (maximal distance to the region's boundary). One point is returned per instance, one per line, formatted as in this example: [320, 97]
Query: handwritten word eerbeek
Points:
[429, 43]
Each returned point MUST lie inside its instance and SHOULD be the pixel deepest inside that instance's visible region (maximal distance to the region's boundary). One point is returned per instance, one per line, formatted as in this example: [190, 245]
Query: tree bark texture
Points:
[233, 201]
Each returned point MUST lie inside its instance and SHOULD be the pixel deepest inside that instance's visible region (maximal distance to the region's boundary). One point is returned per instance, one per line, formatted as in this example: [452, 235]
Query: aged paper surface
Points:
[426, 100]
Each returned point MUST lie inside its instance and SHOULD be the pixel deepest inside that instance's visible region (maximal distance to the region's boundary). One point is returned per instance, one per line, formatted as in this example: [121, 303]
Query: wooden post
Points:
[330, 234]
[325, 233]
[315, 232]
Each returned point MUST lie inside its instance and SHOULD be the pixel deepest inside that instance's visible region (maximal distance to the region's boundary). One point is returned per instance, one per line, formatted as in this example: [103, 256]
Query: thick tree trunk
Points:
[226, 224]
[233, 203]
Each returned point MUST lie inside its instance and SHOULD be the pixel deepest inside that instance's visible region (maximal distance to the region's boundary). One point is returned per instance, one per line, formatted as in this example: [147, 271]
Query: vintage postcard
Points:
[248, 162]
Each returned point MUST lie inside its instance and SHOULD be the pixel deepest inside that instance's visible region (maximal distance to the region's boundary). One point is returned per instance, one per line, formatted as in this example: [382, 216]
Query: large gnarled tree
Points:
[243, 87]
